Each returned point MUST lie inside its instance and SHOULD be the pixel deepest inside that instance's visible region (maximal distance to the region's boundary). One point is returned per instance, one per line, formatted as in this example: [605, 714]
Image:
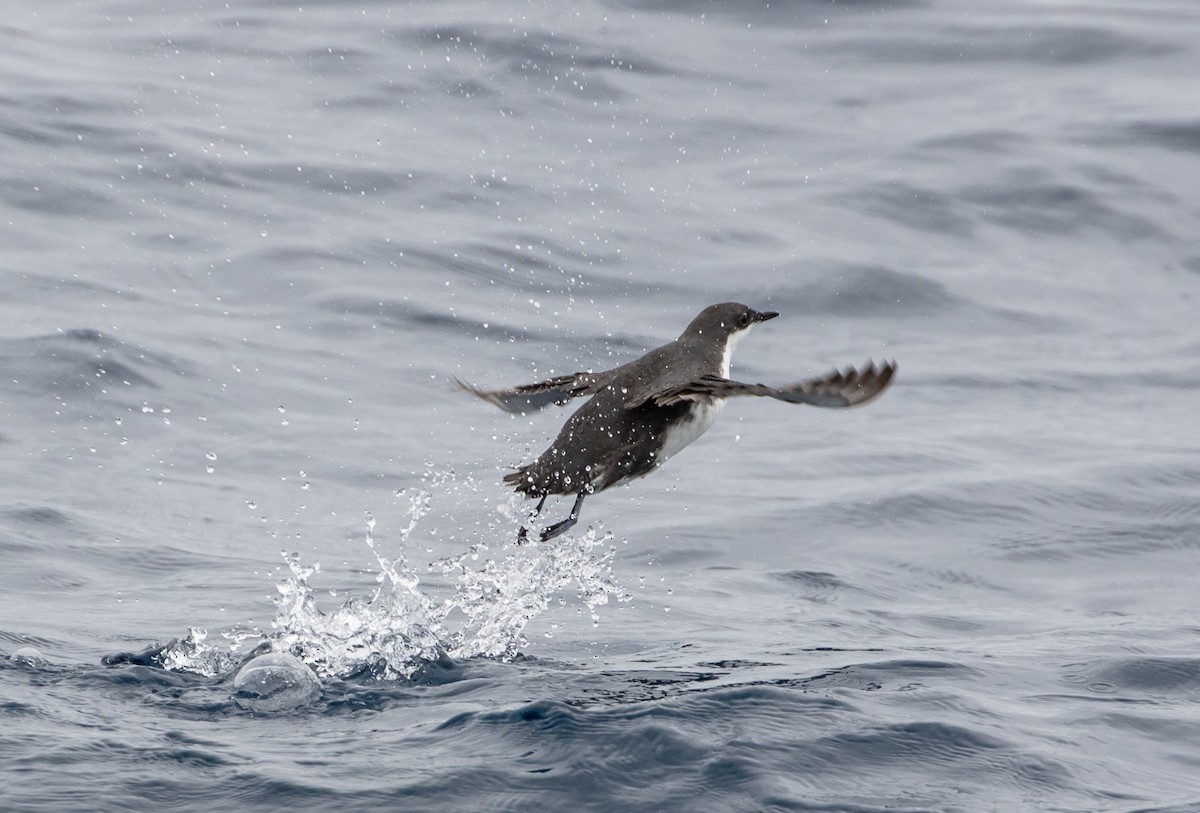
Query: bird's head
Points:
[724, 325]
[726, 319]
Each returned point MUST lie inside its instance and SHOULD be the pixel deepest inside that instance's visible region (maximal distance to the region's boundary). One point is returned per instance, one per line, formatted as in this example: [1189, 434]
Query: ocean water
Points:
[254, 549]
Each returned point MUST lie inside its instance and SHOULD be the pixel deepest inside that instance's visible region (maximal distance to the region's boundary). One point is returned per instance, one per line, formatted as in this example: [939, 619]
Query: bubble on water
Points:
[276, 681]
[29, 656]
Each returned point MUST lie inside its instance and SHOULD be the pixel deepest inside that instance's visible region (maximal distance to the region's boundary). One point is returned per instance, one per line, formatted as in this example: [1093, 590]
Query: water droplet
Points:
[251, 504]
[209, 469]
[304, 486]
[211, 455]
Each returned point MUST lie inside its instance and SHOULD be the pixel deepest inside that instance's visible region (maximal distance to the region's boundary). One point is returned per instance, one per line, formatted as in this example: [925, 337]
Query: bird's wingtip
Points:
[463, 385]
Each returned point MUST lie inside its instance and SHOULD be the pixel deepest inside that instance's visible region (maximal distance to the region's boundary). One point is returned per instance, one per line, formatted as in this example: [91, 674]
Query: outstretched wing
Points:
[532, 397]
[846, 388]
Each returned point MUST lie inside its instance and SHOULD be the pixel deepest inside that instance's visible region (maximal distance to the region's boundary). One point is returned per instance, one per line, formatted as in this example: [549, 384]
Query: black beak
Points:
[762, 316]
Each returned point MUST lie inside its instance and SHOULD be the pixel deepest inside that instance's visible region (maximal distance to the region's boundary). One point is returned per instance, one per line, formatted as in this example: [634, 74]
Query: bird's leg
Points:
[562, 527]
[523, 534]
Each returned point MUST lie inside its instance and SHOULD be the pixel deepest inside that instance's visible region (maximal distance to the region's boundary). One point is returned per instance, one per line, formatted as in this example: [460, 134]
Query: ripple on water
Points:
[912, 206]
[81, 359]
[812, 585]
[1032, 201]
[1043, 44]
[731, 747]
[1138, 677]
[404, 313]
[544, 53]
[872, 291]
[1171, 134]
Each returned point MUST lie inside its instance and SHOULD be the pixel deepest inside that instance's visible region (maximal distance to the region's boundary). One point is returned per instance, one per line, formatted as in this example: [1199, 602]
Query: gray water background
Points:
[261, 237]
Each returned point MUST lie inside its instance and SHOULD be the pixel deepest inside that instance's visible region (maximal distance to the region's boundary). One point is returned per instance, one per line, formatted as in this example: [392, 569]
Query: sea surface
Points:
[255, 553]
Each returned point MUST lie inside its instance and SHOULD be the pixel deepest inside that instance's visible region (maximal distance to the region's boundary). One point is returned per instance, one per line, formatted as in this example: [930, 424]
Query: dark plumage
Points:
[641, 413]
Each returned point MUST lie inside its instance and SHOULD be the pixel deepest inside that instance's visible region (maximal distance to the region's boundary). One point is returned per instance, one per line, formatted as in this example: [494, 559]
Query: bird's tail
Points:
[524, 482]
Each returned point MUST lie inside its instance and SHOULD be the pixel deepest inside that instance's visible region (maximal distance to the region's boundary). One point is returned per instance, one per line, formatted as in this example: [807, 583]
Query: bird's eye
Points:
[744, 320]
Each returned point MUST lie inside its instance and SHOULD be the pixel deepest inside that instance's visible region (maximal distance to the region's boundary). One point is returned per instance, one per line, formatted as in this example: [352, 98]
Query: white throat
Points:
[731, 344]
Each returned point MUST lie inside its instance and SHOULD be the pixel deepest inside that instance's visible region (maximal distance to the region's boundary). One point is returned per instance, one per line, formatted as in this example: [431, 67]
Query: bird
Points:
[642, 413]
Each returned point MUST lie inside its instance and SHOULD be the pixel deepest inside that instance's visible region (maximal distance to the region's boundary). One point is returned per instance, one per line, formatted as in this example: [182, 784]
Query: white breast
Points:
[702, 417]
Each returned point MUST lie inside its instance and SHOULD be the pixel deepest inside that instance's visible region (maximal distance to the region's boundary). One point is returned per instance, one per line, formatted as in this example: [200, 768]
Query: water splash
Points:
[503, 596]
[400, 626]
[195, 653]
[388, 634]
